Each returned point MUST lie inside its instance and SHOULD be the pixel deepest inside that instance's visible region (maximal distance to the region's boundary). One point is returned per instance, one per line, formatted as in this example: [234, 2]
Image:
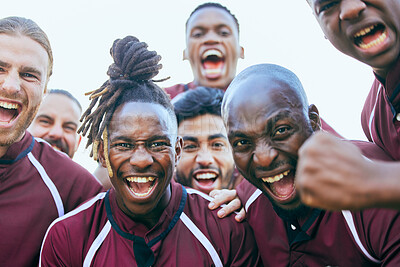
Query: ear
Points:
[315, 120]
[100, 154]
[185, 54]
[178, 149]
[78, 143]
[241, 52]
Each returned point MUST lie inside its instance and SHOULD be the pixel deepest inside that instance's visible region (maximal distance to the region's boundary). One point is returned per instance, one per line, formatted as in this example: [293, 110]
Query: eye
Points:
[29, 76]
[123, 146]
[218, 145]
[197, 33]
[158, 145]
[190, 147]
[224, 32]
[70, 129]
[327, 6]
[282, 131]
[44, 122]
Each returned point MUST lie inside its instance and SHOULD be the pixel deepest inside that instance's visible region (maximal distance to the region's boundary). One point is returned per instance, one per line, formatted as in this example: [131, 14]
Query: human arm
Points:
[333, 174]
[230, 198]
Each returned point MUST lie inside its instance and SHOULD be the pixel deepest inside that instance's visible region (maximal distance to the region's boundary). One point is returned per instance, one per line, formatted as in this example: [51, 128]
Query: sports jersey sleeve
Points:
[55, 248]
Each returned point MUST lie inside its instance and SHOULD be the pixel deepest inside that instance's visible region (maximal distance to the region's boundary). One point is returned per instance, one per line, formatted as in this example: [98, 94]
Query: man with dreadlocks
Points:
[37, 183]
[146, 219]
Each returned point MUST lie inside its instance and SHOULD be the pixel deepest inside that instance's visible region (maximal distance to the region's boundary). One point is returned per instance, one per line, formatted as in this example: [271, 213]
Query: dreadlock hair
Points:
[197, 102]
[217, 5]
[130, 79]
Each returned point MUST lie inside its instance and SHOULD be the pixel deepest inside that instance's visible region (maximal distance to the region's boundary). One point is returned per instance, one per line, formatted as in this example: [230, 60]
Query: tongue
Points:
[213, 69]
[140, 188]
[283, 187]
[7, 114]
[371, 37]
[205, 182]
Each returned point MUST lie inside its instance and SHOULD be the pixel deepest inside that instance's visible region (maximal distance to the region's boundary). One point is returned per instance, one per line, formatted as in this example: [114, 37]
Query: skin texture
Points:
[23, 78]
[358, 183]
[141, 145]
[341, 20]
[205, 150]
[266, 135]
[57, 122]
[212, 28]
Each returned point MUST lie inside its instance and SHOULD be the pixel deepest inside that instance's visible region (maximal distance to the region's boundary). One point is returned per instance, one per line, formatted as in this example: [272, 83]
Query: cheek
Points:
[241, 161]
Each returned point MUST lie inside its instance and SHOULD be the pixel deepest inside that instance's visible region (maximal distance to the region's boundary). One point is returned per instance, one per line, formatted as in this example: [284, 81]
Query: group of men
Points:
[299, 182]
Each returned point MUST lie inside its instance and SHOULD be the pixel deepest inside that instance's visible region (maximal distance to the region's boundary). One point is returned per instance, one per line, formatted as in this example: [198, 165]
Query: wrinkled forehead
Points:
[211, 15]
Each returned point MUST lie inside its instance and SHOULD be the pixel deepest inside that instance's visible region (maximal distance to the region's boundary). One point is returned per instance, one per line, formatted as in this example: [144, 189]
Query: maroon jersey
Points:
[179, 88]
[38, 184]
[380, 118]
[364, 238]
[188, 234]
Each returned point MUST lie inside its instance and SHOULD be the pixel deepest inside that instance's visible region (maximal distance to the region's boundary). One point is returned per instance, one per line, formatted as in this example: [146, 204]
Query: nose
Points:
[212, 38]
[351, 9]
[56, 132]
[141, 158]
[264, 155]
[11, 82]
[204, 157]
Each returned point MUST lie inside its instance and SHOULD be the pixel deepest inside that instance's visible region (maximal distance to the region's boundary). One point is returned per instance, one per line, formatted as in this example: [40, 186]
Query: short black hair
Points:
[196, 102]
[217, 5]
[65, 93]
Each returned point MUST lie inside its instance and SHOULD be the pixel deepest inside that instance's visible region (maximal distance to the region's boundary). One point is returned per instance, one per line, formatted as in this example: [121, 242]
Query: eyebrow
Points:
[44, 116]
[215, 136]
[24, 69]
[190, 138]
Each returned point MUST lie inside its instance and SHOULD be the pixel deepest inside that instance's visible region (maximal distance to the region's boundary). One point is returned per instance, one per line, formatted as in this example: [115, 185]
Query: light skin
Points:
[206, 153]
[23, 79]
[320, 180]
[141, 146]
[214, 30]
[57, 122]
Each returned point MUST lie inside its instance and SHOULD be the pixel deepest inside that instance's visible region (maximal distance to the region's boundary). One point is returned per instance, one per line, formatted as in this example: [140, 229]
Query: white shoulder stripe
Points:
[81, 208]
[350, 222]
[96, 244]
[252, 198]
[203, 195]
[202, 238]
[49, 183]
[373, 113]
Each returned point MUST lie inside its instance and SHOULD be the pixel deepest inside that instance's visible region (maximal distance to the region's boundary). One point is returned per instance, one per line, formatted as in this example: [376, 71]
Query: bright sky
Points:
[282, 32]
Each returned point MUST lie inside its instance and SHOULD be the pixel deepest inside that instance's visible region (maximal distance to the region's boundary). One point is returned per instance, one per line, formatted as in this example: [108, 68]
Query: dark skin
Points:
[266, 135]
[142, 147]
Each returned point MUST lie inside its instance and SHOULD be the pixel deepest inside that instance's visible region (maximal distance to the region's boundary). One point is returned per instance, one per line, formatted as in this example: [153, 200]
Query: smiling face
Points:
[266, 135]
[206, 162]
[57, 122]
[142, 156]
[23, 76]
[368, 31]
[212, 47]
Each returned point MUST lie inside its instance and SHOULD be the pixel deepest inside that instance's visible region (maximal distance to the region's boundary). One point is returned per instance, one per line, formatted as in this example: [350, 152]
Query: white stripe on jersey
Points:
[350, 222]
[373, 113]
[83, 207]
[202, 238]
[49, 183]
[252, 198]
[205, 196]
[96, 244]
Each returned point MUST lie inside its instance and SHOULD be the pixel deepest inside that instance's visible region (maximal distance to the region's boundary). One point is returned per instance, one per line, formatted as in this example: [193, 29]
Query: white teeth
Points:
[141, 194]
[211, 52]
[364, 31]
[275, 178]
[375, 42]
[8, 105]
[137, 179]
[212, 71]
[207, 175]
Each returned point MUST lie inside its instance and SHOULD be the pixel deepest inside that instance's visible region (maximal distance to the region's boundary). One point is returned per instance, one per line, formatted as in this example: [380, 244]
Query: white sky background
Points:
[282, 32]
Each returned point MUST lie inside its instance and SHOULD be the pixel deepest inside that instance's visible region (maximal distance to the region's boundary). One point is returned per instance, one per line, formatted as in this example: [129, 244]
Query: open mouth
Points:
[213, 62]
[141, 186]
[371, 36]
[205, 178]
[281, 185]
[8, 112]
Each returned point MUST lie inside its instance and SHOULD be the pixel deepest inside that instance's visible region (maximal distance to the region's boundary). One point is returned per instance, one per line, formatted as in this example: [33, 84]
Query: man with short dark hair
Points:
[265, 137]
[206, 162]
[38, 184]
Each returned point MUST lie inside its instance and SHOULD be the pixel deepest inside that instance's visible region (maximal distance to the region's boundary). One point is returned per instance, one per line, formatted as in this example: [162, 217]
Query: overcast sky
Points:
[282, 32]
